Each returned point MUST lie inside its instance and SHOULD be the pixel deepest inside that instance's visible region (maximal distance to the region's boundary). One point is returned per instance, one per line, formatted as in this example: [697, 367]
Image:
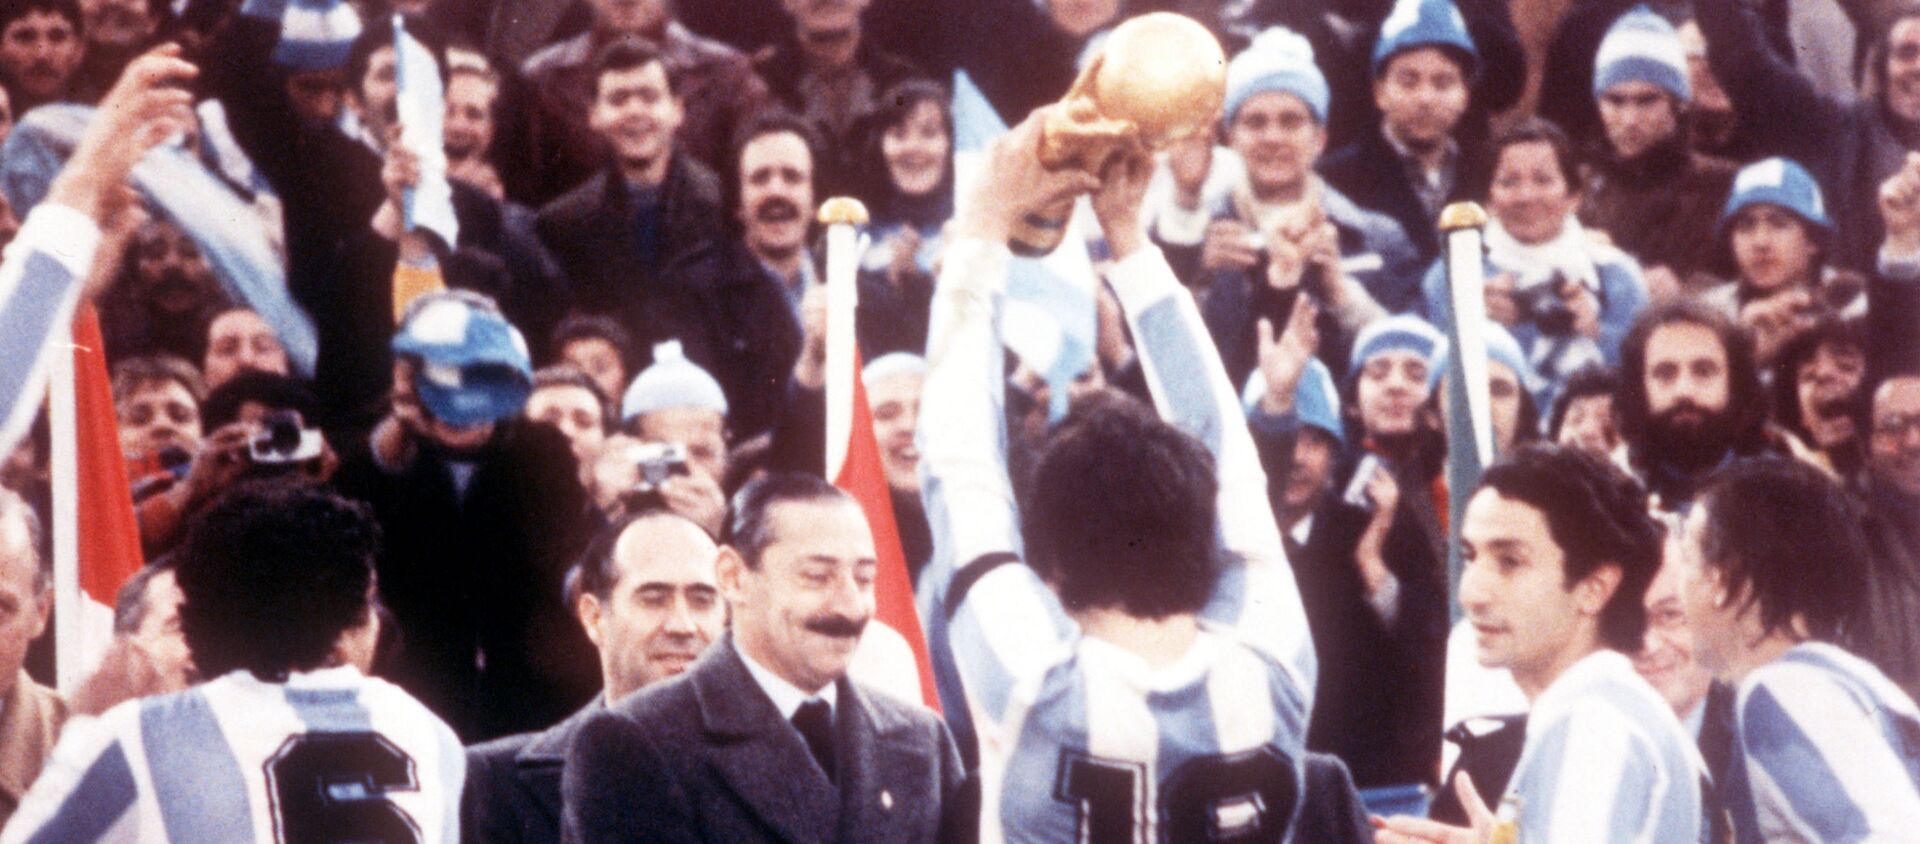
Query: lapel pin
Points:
[886, 799]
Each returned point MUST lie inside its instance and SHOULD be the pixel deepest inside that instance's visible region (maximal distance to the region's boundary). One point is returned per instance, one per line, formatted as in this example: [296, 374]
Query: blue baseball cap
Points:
[474, 367]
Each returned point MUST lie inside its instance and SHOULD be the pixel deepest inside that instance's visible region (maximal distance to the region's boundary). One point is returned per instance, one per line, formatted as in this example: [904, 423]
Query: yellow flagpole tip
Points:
[1462, 215]
[843, 210]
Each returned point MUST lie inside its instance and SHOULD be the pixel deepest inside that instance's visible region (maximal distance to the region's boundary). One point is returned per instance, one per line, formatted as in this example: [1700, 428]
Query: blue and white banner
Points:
[1050, 312]
[225, 227]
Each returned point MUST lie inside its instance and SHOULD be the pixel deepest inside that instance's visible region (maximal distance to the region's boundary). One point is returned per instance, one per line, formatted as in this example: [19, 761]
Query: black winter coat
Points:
[474, 581]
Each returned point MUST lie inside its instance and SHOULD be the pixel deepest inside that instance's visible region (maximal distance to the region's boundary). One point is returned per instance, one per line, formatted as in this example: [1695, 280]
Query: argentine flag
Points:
[221, 223]
[423, 109]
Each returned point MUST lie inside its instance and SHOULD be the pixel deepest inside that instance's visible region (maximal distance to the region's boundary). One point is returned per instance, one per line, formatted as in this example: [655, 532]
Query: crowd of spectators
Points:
[1704, 246]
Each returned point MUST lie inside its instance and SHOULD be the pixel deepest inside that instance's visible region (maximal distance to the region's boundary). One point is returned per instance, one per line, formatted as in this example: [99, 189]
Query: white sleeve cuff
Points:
[1385, 600]
[60, 233]
[1142, 279]
[975, 264]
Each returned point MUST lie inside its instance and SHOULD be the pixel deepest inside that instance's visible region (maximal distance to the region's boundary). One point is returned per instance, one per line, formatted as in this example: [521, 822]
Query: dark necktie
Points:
[814, 720]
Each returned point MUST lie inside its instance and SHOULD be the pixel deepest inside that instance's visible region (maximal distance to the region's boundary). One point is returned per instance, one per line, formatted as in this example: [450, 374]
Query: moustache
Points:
[828, 37]
[776, 210]
[1672, 414]
[176, 282]
[837, 626]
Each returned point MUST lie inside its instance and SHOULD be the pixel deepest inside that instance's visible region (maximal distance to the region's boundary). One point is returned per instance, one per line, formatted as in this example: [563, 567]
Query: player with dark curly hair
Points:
[1144, 548]
[290, 740]
[278, 581]
[1560, 548]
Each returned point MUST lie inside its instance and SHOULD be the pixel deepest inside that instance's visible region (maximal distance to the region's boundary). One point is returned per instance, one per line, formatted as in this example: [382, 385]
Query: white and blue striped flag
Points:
[423, 109]
[225, 227]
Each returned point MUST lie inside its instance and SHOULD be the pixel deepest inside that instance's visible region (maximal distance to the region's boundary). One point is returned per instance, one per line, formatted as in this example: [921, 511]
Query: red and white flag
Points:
[96, 539]
[893, 654]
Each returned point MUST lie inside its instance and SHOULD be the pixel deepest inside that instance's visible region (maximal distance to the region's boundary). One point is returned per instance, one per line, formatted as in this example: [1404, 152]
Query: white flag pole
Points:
[843, 217]
[1463, 223]
[69, 652]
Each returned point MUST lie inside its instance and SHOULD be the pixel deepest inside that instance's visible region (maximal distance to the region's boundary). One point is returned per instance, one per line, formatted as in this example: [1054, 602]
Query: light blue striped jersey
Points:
[1080, 739]
[1605, 760]
[1828, 749]
[329, 752]
[40, 285]
[1100, 747]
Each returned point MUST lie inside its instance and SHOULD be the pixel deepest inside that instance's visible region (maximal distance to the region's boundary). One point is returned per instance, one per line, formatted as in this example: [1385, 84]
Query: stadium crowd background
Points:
[1705, 246]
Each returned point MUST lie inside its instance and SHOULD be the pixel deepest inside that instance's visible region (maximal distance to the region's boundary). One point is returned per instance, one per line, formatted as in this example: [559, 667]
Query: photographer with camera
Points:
[482, 514]
[631, 475]
[673, 453]
[175, 465]
[1249, 240]
[259, 429]
[1567, 297]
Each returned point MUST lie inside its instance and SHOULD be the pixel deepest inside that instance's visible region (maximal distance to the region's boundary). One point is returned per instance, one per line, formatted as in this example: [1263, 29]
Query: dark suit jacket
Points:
[513, 784]
[1716, 740]
[591, 233]
[703, 290]
[1381, 685]
[784, 66]
[706, 757]
[1371, 174]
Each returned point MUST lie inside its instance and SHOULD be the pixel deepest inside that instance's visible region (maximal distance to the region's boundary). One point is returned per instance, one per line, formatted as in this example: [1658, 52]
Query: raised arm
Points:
[1767, 92]
[1190, 389]
[1893, 293]
[44, 273]
[1001, 618]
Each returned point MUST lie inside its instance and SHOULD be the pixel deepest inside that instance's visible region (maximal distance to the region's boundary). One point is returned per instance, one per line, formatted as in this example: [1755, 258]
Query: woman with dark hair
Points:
[1567, 298]
[1582, 414]
[906, 177]
[1820, 394]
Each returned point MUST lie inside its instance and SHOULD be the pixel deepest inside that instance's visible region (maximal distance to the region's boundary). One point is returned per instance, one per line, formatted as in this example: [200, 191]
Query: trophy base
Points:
[1038, 234]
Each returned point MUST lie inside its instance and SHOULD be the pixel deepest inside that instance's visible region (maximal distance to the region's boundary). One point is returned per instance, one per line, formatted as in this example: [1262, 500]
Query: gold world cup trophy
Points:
[1159, 78]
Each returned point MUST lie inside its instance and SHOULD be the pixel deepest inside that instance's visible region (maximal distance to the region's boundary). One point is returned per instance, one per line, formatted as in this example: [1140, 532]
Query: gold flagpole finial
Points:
[1463, 215]
[843, 210]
